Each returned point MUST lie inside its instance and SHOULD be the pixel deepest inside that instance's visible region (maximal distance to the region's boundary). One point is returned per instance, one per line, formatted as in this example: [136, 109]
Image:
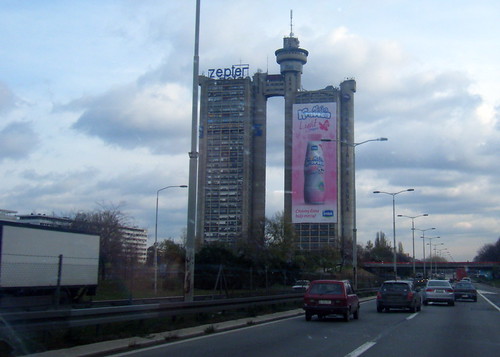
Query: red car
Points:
[331, 297]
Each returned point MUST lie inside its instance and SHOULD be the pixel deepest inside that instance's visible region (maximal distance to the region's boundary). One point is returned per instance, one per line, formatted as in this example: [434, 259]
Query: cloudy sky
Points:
[95, 105]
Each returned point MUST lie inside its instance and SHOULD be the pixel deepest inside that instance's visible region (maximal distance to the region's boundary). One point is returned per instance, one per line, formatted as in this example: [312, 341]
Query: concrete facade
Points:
[232, 148]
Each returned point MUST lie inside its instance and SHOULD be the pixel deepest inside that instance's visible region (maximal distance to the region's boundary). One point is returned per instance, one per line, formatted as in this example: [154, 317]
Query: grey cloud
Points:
[431, 123]
[172, 69]
[57, 190]
[7, 99]
[156, 117]
[17, 140]
[421, 97]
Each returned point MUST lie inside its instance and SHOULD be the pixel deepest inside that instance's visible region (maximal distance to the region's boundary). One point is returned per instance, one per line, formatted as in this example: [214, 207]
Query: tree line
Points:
[276, 260]
[489, 253]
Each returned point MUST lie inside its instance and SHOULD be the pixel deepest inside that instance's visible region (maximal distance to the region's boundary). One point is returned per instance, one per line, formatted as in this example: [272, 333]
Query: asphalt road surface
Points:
[466, 329]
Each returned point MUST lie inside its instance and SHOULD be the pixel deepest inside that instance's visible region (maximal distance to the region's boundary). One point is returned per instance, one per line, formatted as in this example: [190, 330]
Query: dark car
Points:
[398, 294]
[465, 290]
[419, 281]
[331, 297]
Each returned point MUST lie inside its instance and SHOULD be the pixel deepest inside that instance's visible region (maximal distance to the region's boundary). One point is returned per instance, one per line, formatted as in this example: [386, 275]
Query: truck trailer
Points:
[37, 261]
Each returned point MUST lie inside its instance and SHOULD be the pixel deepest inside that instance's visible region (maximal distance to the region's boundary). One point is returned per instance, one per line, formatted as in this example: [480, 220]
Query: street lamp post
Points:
[413, 234]
[430, 252]
[435, 256]
[156, 236]
[354, 227]
[423, 243]
[393, 194]
[440, 252]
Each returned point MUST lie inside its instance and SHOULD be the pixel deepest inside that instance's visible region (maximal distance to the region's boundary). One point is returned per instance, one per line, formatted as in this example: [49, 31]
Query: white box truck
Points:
[43, 261]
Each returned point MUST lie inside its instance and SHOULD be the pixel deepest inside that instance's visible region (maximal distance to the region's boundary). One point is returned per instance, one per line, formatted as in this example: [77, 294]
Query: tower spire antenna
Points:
[291, 23]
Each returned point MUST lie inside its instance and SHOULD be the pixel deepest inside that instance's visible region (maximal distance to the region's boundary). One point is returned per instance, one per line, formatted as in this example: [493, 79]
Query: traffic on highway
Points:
[321, 184]
[438, 329]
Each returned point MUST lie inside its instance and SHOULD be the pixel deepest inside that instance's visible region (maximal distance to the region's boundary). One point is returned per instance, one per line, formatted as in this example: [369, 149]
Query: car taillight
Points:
[409, 296]
[379, 295]
[449, 290]
[429, 290]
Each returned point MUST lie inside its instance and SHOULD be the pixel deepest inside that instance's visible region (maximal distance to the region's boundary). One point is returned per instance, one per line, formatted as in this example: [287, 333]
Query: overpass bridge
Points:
[405, 269]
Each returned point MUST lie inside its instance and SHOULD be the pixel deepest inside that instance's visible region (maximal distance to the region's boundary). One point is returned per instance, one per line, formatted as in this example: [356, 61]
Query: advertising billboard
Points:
[314, 163]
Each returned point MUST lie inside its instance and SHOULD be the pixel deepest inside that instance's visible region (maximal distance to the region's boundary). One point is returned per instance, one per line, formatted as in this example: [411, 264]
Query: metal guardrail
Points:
[153, 300]
[67, 318]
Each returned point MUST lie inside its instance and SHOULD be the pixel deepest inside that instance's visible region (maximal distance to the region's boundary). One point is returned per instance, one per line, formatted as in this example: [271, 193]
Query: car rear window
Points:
[326, 288]
[438, 283]
[395, 287]
[302, 282]
[464, 286]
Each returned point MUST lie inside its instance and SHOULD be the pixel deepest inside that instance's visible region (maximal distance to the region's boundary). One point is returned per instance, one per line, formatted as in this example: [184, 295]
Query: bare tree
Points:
[489, 252]
[108, 224]
[280, 237]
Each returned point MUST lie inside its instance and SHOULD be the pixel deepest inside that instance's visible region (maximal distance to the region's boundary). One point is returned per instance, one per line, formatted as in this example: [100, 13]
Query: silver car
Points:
[439, 291]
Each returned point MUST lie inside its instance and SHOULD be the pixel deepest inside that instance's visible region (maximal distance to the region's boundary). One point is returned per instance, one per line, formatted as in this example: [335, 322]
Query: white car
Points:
[439, 291]
[301, 285]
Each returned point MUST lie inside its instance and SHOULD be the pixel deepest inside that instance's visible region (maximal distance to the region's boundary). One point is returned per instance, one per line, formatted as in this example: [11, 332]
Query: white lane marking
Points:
[412, 316]
[488, 300]
[366, 346]
[361, 349]
[487, 292]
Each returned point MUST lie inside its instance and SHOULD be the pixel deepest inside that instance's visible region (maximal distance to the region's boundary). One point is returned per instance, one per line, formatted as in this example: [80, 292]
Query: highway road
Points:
[466, 329]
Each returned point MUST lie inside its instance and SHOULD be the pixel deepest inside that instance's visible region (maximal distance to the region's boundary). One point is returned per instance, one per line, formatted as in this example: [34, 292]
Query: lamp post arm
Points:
[354, 144]
[366, 141]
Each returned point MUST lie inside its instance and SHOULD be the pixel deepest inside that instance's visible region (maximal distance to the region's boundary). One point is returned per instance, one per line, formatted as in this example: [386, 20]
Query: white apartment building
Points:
[136, 242]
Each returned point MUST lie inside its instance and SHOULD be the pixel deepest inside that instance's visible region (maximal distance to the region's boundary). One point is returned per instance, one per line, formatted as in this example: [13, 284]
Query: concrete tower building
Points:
[291, 59]
[232, 147]
[225, 174]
